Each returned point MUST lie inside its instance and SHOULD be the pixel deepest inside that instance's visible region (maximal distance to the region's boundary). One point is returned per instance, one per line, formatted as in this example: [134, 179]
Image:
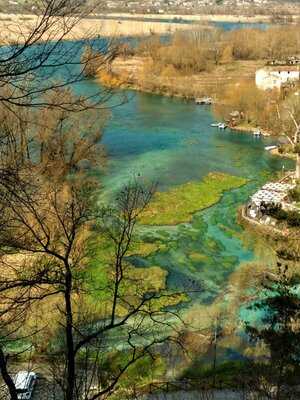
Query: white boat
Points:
[268, 148]
[204, 101]
[220, 125]
[257, 132]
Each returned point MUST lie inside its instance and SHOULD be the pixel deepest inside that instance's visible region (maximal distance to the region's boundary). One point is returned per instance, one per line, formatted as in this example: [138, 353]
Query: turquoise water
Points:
[171, 142]
[226, 26]
[231, 26]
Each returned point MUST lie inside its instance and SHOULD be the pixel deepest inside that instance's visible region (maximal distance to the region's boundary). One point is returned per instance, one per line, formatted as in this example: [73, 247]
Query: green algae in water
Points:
[180, 203]
[198, 258]
[150, 137]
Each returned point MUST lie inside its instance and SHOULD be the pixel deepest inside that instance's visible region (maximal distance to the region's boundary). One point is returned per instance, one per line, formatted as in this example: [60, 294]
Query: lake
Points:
[171, 142]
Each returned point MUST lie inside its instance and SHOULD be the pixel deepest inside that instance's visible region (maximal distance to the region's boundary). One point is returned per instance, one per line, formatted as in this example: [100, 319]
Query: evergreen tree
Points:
[279, 330]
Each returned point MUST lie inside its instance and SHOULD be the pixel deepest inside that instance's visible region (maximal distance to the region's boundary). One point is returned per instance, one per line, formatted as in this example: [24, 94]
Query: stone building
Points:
[274, 77]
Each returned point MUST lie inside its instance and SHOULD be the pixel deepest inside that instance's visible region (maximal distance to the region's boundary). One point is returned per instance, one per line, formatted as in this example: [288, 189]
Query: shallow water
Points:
[171, 142]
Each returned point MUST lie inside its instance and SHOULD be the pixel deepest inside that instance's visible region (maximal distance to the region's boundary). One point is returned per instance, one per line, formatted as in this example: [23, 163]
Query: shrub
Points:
[92, 62]
[277, 212]
[297, 149]
[293, 218]
[294, 194]
[285, 148]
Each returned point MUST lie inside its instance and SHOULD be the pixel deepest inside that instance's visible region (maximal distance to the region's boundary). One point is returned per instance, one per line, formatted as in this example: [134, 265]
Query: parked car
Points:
[25, 382]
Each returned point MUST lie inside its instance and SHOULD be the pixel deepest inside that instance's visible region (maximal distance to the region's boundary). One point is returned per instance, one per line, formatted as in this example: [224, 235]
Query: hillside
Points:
[184, 7]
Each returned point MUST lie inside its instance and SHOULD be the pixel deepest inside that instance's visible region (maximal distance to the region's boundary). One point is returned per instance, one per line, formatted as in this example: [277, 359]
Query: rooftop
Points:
[280, 68]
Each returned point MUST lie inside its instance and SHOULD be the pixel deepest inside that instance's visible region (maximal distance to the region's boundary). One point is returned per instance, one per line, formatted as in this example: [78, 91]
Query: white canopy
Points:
[278, 187]
[268, 197]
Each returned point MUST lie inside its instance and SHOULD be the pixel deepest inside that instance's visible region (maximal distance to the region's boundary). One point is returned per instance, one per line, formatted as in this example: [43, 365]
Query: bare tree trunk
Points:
[70, 353]
[298, 167]
[215, 357]
[6, 377]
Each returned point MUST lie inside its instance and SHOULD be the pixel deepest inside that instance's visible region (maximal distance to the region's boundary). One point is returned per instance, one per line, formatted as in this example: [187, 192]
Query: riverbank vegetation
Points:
[210, 57]
[199, 50]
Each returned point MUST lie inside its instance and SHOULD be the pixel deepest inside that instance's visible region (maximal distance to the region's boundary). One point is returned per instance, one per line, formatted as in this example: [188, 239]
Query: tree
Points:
[289, 120]
[47, 193]
[226, 57]
[37, 57]
[279, 305]
[37, 61]
[44, 210]
[53, 227]
[49, 148]
[49, 223]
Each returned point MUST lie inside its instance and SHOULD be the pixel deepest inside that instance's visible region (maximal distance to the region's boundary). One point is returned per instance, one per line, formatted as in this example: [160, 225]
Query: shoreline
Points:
[291, 156]
[240, 129]
[197, 17]
[136, 72]
[17, 26]
[129, 73]
[250, 129]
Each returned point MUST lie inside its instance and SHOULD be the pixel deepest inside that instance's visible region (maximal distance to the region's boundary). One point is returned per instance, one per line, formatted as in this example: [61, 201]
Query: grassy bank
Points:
[139, 73]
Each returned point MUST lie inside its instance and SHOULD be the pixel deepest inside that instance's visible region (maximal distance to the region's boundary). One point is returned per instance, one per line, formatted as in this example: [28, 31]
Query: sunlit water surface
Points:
[168, 141]
[171, 142]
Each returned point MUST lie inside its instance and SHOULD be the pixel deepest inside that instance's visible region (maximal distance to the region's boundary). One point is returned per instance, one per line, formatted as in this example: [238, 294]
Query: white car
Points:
[25, 382]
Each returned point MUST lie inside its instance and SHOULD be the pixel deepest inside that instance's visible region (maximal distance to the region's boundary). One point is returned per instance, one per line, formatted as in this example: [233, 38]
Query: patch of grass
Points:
[143, 249]
[198, 257]
[179, 204]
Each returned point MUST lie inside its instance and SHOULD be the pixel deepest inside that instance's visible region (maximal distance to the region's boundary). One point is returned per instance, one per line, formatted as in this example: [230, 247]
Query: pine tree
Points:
[279, 330]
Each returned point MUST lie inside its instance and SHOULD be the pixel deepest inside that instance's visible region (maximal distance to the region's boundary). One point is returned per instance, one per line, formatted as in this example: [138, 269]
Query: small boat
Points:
[269, 148]
[257, 133]
[204, 101]
[220, 125]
